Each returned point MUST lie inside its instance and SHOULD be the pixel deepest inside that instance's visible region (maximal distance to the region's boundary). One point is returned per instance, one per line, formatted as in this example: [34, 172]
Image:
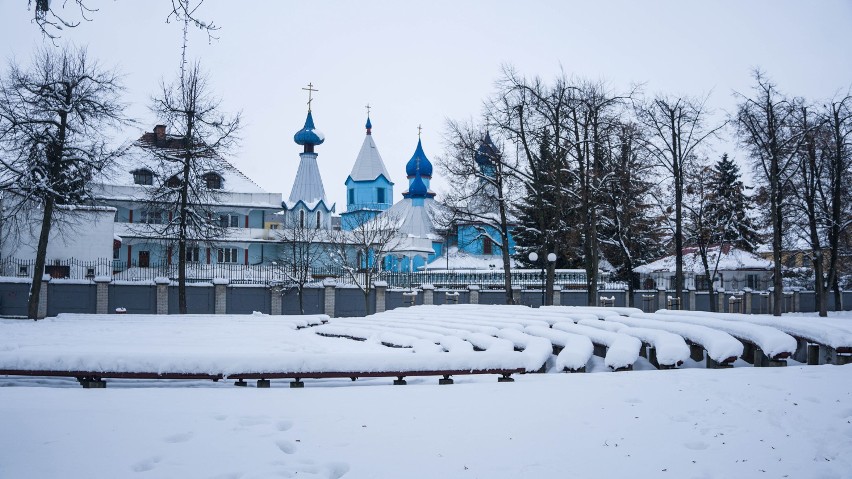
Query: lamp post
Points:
[533, 257]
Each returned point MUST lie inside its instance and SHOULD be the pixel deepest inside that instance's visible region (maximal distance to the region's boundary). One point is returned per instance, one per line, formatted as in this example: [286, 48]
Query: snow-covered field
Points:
[691, 422]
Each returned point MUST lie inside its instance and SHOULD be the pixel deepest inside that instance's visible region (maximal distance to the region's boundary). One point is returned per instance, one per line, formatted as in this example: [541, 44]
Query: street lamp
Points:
[533, 257]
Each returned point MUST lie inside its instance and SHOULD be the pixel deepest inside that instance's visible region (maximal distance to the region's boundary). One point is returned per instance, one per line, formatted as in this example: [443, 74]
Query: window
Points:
[143, 177]
[487, 245]
[301, 218]
[351, 195]
[274, 226]
[173, 182]
[193, 255]
[319, 220]
[152, 217]
[115, 253]
[380, 195]
[752, 281]
[701, 282]
[227, 255]
[213, 181]
[229, 221]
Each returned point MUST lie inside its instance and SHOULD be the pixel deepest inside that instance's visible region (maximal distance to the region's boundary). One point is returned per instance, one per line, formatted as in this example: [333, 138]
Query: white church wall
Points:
[83, 233]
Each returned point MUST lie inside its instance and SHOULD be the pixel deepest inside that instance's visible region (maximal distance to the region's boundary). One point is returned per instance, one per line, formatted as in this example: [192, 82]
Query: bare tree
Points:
[304, 247]
[482, 186]
[766, 127]
[52, 17]
[188, 189]
[676, 129]
[361, 251]
[53, 122]
[838, 206]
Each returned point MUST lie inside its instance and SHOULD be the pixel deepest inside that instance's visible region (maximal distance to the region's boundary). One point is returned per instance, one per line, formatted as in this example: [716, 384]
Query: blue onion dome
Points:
[417, 188]
[419, 164]
[486, 152]
[369, 125]
[309, 135]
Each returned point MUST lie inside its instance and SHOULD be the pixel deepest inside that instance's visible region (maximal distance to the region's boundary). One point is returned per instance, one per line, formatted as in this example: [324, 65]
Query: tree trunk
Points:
[41, 254]
[301, 299]
[549, 282]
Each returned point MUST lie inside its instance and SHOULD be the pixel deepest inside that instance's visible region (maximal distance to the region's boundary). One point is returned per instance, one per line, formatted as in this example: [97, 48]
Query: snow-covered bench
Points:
[619, 351]
[663, 349]
[572, 351]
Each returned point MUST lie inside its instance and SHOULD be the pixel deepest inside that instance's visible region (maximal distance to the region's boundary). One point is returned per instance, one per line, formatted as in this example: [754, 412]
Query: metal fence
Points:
[270, 274]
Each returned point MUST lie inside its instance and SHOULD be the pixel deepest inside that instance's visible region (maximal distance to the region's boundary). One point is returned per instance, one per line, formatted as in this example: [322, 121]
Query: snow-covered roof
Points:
[308, 184]
[454, 259]
[369, 165]
[415, 220]
[732, 259]
[144, 154]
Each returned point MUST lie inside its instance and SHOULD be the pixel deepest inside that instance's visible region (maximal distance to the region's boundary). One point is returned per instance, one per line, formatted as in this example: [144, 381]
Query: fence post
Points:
[796, 301]
[474, 293]
[330, 291]
[220, 295]
[162, 294]
[661, 297]
[557, 295]
[747, 301]
[381, 295]
[428, 293]
[516, 294]
[770, 305]
[102, 294]
[42, 297]
[692, 298]
[275, 308]
[720, 300]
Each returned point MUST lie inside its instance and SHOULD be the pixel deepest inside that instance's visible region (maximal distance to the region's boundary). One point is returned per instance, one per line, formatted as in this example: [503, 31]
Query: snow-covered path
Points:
[744, 422]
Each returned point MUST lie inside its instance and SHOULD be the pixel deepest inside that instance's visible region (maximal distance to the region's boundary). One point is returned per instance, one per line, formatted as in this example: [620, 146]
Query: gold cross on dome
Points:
[419, 130]
[310, 90]
[368, 109]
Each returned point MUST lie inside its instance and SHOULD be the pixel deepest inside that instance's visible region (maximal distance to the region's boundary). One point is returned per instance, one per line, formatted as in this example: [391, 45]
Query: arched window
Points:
[143, 176]
[319, 219]
[212, 181]
[173, 182]
[301, 218]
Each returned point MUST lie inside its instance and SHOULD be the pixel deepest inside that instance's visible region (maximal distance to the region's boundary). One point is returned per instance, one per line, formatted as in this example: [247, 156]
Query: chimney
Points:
[160, 132]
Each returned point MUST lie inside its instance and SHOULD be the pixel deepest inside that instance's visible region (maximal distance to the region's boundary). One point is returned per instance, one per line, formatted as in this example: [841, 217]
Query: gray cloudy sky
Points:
[422, 62]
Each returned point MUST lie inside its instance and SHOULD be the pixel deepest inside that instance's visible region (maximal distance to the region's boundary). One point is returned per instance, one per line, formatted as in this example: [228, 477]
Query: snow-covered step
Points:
[666, 350]
[621, 350]
[573, 351]
[774, 344]
[721, 347]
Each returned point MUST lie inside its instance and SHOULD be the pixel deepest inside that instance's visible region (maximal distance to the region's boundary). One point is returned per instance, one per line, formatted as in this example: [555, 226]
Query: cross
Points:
[310, 90]
[368, 110]
[419, 129]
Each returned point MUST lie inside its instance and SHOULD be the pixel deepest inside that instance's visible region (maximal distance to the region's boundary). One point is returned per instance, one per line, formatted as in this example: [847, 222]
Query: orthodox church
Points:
[249, 216]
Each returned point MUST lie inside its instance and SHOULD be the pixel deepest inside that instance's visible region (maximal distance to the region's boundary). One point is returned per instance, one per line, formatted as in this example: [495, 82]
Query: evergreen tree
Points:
[728, 206]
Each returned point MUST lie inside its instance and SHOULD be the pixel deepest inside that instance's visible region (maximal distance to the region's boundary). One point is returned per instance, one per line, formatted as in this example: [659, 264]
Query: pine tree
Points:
[728, 207]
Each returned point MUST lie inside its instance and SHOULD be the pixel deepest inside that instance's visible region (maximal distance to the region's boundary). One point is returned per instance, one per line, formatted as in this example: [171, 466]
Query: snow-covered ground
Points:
[693, 422]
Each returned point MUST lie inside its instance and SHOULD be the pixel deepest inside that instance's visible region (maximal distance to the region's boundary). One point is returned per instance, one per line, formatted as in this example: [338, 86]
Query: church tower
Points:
[369, 190]
[307, 206]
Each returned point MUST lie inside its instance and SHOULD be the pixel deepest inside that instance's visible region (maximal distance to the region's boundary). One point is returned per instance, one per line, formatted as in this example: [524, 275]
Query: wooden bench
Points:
[95, 379]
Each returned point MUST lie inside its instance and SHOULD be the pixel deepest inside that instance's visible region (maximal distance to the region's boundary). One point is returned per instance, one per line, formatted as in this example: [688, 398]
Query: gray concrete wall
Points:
[243, 300]
[71, 298]
[136, 299]
[313, 301]
[13, 299]
[350, 302]
[490, 296]
[199, 300]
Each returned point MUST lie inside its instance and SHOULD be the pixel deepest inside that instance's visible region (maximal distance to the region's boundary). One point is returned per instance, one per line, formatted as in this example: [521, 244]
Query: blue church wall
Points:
[470, 239]
[365, 195]
[257, 218]
[256, 253]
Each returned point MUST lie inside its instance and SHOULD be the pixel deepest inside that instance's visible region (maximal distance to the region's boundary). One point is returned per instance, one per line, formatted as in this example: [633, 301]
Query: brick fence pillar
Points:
[220, 295]
[557, 295]
[102, 294]
[796, 301]
[516, 294]
[275, 301]
[474, 293]
[661, 298]
[720, 300]
[691, 298]
[428, 293]
[330, 291]
[747, 300]
[42, 297]
[381, 294]
[162, 295]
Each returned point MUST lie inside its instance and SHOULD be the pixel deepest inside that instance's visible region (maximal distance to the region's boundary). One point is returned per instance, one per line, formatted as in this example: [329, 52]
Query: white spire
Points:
[308, 185]
[369, 165]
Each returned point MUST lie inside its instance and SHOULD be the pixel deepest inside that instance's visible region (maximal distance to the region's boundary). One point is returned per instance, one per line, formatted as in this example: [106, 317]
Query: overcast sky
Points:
[423, 62]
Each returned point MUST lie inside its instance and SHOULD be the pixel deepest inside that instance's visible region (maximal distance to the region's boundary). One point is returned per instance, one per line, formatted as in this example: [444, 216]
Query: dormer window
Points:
[173, 182]
[143, 177]
[213, 181]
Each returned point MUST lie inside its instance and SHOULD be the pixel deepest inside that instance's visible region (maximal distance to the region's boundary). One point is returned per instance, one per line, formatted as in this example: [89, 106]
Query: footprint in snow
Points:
[287, 447]
[180, 437]
[146, 464]
[284, 425]
[253, 420]
[696, 445]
